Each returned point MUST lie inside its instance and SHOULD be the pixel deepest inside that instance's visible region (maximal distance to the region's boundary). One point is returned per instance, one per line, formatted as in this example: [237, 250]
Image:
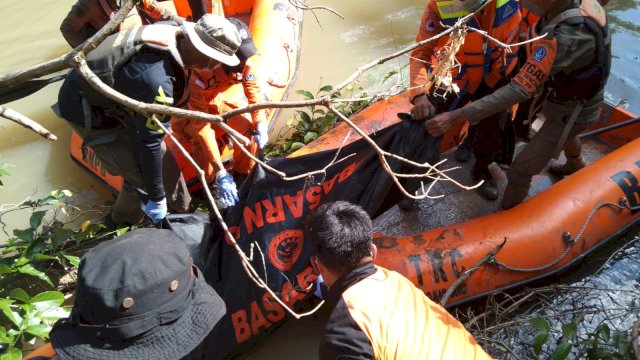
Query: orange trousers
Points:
[208, 141]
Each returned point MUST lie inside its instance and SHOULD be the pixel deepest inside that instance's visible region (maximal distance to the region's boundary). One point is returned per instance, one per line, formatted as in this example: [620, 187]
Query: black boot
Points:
[489, 189]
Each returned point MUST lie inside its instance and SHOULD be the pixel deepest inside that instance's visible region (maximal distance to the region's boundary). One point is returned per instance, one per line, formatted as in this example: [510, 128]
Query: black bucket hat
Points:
[247, 47]
[138, 297]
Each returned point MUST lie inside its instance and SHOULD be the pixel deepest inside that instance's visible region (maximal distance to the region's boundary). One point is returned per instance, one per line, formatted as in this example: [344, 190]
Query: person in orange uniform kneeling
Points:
[207, 88]
[377, 313]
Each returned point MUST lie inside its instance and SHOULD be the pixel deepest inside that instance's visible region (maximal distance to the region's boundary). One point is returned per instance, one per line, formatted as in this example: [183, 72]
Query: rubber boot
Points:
[572, 165]
[489, 189]
[464, 151]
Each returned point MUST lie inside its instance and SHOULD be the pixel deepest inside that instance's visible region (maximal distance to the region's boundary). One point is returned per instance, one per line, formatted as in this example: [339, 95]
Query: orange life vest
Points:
[482, 59]
[529, 19]
[184, 9]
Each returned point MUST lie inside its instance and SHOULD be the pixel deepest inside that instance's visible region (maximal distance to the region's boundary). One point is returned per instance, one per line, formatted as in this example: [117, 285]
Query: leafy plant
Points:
[30, 262]
[4, 172]
[31, 318]
[307, 125]
[598, 344]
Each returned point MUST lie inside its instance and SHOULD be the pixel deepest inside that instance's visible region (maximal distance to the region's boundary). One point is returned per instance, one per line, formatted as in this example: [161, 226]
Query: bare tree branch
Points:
[26, 122]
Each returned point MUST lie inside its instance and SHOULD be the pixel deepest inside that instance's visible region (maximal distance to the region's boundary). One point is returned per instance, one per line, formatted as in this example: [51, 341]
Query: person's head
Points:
[138, 297]
[543, 7]
[210, 41]
[247, 48]
[341, 236]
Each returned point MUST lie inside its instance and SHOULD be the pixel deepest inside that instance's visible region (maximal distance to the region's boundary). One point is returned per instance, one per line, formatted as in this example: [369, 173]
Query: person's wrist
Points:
[415, 98]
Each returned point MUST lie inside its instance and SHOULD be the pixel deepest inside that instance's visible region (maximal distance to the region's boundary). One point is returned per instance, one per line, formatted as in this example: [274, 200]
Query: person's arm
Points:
[156, 11]
[74, 24]
[571, 48]
[343, 339]
[420, 59]
[252, 91]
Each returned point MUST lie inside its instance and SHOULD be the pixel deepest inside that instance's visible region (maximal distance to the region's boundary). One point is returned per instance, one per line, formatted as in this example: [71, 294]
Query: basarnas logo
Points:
[540, 54]
[285, 249]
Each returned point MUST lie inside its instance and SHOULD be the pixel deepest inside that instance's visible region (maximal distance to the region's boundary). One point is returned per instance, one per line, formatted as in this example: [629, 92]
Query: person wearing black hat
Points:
[206, 88]
[149, 64]
[138, 297]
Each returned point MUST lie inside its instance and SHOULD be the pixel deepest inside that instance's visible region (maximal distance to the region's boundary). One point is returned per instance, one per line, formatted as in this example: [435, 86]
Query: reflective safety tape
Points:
[449, 10]
[161, 99]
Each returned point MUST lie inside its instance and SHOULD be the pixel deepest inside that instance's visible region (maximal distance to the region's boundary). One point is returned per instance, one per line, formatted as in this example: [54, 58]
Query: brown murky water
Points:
[332, 49]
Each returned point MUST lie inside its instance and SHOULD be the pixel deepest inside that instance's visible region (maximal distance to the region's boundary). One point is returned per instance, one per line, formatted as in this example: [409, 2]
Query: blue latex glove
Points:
[227, 189]
[262, 135]
[318, 290]
[156, 210]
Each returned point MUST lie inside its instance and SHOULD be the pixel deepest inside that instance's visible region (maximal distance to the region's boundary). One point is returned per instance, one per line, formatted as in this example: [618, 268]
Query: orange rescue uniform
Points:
[480, 59]
[207, 95]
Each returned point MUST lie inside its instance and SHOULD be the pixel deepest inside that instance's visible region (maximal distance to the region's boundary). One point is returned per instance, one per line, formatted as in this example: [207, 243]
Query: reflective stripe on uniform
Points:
[161, 99]
[449, 10]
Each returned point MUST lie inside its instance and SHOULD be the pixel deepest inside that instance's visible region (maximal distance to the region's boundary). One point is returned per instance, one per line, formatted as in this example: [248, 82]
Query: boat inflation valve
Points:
[566, 236]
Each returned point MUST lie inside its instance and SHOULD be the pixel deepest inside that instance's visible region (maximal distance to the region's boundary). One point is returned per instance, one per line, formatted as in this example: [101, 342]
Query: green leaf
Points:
[21, 295]
[60, 236]
[538, 341]
[621, 342]
[4, 337]
[540, 323]
[389, 75]
[24, 235]
[14, 354]
[296, 146]
[42, 257]
[325, 88]
[310, 136]
[603, 332]
[562, 351]
[40, 330]
[569, 330]
[36, 219]
[48, 299]
[304, 116]
[74, 260]
[306, 94]
[122, 230]
[10, 314]
[55, 313]
[30, 270]
[6, 269]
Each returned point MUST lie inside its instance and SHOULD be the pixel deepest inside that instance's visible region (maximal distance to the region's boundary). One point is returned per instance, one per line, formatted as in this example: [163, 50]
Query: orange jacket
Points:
[480, 59]
[379, 314]
[529, 19]
[206, 86]
[183, 8]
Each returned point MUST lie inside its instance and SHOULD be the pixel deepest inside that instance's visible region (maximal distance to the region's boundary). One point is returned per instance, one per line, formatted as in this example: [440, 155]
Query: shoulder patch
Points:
[431, 24]
[540, 54]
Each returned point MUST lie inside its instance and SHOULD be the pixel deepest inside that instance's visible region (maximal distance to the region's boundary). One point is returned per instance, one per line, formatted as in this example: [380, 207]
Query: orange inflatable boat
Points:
[559, 223]
[276, 30]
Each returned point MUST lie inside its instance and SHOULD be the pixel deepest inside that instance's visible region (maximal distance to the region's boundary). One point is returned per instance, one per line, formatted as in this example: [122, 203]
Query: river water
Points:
[332, 49]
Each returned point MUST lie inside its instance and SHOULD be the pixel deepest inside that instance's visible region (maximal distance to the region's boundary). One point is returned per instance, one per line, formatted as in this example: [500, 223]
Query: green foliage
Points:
[30, 318]
[4, 172]
[29, 259]
[307, 125]
[599, 344]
